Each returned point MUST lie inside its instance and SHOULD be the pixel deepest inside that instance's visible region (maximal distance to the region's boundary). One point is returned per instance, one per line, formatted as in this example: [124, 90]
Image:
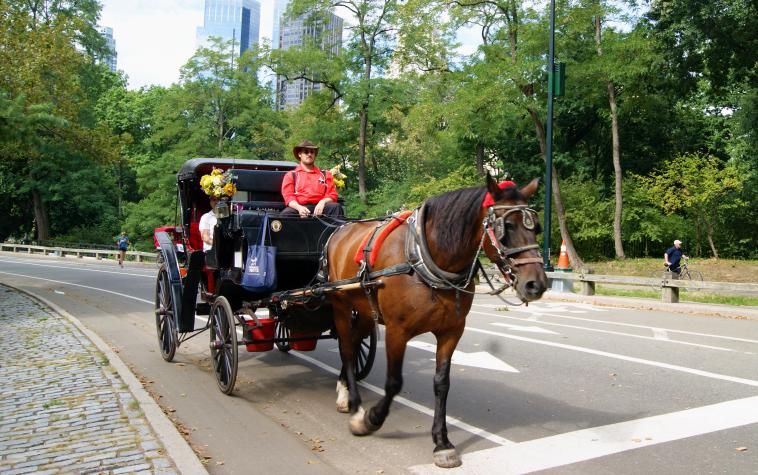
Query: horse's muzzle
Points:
[534, 289]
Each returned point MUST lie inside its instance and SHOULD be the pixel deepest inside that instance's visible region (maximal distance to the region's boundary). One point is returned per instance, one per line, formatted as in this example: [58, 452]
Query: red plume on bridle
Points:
[489, 200]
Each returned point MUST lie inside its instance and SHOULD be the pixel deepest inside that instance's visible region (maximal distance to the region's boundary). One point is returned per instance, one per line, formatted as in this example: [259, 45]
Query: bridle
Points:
[495, 229]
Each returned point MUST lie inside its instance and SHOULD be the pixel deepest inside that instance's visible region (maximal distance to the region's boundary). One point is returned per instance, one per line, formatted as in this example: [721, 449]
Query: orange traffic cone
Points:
[563, 259]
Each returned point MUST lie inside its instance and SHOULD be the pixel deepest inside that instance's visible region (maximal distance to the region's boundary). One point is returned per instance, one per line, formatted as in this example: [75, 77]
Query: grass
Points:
[713, 270]
[700, 297]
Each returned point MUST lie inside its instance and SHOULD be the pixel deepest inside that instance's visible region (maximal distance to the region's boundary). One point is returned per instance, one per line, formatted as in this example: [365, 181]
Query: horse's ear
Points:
[531, 188]
[492, 187]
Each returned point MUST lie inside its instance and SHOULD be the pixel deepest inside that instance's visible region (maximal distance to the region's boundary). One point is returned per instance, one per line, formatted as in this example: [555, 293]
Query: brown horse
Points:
[432, 294]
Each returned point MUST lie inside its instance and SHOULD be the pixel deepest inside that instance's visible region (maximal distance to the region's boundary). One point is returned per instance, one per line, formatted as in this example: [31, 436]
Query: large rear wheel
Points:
[223, 345]
[165, 316]
[364, 359]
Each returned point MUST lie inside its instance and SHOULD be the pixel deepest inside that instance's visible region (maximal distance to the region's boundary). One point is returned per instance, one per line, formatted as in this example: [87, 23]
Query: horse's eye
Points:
[509, 226]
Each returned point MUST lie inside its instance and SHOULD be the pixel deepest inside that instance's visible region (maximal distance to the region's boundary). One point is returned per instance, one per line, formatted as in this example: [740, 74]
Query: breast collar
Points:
[418, 256]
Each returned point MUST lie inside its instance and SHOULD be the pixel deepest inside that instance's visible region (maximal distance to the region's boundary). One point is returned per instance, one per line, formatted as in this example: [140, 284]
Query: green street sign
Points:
[558, 80]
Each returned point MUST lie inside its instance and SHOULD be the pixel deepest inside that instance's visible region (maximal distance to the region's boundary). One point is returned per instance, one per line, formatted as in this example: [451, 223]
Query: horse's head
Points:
[510, 240]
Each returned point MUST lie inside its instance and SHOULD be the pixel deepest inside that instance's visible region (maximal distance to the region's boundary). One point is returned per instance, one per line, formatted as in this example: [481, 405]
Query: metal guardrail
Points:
[670, 286]
[98, 254]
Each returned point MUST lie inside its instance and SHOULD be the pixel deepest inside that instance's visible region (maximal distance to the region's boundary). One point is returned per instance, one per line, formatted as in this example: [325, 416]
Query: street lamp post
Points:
[549, 132]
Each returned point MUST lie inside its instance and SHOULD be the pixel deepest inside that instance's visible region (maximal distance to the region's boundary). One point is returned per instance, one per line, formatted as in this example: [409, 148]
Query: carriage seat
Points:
[264, 188]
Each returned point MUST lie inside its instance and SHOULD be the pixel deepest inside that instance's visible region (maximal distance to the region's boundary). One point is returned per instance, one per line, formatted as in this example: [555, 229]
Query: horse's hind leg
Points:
[445, 454]
[347, 382]
[395, 343]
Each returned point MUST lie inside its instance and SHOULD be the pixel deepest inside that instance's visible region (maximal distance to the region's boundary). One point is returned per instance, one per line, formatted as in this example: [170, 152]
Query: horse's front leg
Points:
[445, 454]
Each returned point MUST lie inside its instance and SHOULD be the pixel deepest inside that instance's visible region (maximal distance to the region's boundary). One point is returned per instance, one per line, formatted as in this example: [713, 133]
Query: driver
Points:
[307, 190]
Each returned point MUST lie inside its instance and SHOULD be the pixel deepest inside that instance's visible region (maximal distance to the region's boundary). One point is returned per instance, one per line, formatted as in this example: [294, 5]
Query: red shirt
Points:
[310, 187]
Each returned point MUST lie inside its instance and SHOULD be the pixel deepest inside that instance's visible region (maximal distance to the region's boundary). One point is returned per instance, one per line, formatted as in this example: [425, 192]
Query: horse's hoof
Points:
[359, 423]
[447, 458]
[343, 399]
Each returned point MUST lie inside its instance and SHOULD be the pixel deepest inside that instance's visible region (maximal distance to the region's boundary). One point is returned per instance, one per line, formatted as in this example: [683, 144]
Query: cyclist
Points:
[673, 256]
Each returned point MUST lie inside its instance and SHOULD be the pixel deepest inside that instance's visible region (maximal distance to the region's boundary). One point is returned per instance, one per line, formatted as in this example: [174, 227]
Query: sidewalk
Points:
[68, 403]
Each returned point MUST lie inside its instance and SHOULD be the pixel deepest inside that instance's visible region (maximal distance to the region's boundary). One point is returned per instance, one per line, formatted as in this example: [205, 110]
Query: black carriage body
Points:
[299, 241]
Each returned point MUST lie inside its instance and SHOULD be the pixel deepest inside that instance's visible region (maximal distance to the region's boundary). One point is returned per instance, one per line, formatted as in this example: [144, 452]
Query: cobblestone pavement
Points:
[63, 408]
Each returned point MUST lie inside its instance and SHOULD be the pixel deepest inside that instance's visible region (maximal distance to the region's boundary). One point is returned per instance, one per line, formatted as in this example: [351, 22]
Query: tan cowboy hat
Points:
[305, 144]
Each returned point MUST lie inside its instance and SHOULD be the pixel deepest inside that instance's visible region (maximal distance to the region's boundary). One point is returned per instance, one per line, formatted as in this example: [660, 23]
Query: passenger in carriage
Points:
[307, 190]
[207, 223]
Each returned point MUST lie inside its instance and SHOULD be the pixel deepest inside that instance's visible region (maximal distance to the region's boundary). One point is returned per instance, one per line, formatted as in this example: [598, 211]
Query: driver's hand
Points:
[319, 208]
[304, 212]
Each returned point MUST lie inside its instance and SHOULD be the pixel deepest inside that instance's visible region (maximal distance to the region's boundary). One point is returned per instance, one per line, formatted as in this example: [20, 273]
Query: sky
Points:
[154, 38]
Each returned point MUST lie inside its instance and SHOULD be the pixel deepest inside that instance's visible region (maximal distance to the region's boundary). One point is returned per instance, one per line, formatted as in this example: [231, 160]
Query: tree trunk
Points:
[480, 158]
[362, 153]
[560, 211]
[709, 234]
[40, 216]
[618, 173]
[618, 244]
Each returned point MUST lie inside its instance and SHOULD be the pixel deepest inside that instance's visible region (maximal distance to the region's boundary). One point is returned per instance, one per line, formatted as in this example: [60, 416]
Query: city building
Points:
[231, 19]
[280, 7]
[294, 33]
[110, 58]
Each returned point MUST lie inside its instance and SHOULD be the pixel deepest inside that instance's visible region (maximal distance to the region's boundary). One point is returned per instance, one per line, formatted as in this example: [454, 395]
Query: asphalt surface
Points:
[559, 386]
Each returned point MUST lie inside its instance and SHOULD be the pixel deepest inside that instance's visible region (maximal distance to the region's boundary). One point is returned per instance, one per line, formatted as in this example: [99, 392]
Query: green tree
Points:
[701, 186]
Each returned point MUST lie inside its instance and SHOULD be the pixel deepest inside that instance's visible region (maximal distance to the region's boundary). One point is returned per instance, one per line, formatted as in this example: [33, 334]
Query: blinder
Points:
[496, 228]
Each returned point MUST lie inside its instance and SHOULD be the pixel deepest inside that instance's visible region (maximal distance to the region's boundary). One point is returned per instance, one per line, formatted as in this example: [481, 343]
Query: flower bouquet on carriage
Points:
[219, 184]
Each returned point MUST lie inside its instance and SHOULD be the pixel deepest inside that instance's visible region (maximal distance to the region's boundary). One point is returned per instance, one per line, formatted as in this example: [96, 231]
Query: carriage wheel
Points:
[282, 332]
[223, 333]
[165, 316]
[364, 360]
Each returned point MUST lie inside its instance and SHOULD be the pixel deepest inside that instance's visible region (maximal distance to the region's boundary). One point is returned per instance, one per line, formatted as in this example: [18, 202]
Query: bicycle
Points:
[685, 273]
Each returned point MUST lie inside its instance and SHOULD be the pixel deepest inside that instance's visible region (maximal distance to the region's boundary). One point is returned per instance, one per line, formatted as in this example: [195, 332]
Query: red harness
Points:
[379, 235]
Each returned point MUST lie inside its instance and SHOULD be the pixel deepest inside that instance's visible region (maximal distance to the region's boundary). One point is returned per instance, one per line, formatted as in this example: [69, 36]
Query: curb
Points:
[178, 449]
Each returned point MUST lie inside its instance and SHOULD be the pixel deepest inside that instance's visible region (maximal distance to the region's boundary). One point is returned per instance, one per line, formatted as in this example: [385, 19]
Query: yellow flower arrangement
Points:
[338, 177]
[218, 184]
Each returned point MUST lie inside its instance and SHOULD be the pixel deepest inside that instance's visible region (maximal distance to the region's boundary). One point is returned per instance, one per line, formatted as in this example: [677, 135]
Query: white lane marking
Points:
[591, 443]
[478, 359]
[418, 407]
[521, 328]
[647, 327]
[59, 292]
[74, 267]
[633, 359]
[660, 334]
[80, 285]
[401, 400]
[611, 332]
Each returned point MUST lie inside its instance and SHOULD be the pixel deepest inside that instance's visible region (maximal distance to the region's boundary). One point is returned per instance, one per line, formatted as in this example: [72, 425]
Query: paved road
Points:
[555, 386]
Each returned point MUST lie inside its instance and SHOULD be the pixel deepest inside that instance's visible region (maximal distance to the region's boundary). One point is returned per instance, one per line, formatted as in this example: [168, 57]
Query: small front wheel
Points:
[223, 345]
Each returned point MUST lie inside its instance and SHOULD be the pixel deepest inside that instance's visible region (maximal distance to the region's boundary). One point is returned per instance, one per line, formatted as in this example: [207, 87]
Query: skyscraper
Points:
[110, 58]
[280, 6]
[294, 33]
[231, 19]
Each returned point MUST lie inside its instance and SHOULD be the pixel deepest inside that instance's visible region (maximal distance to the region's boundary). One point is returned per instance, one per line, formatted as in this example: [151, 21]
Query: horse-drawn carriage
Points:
[411, 272]
[193, 282]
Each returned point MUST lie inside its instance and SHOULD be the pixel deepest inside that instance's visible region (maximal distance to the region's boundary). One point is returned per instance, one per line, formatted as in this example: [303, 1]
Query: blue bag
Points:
[260, 265]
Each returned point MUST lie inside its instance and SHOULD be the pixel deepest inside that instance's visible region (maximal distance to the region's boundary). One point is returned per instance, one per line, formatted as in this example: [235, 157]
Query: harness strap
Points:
[417, 254]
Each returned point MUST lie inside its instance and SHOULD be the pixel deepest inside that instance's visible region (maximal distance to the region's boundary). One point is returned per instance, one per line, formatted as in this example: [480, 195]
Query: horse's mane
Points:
[455, 214]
